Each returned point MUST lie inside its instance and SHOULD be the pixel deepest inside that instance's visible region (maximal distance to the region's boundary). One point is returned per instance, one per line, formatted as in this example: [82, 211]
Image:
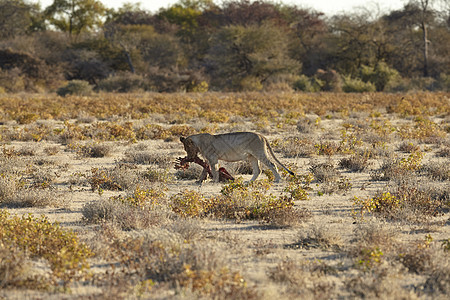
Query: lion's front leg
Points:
[203, 176]
[215, 172]
[214, 164]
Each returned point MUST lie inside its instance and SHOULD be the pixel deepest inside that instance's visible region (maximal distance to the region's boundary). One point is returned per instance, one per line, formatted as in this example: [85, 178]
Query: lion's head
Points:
[190, 148]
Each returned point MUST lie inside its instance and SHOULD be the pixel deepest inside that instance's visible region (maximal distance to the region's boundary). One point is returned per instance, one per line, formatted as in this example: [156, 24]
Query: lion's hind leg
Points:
[255, 166]
[272, 168]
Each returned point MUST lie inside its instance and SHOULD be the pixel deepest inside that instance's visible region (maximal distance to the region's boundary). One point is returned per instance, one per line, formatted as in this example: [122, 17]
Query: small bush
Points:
[14, 265]
[305, 84]
[408, 147]
[95, 150]
[298, 186]
[356, 163]
[119, 178]
[306, 125]
[327, 148]
[437, 170]
[147, 157]
[142, 208]
[30, 197]
[352, 85]
[381, 75]
[418, 257]
[52, 150]
[404, 203]
[438, 282]
[240, 201]
[61, 248]
[153, 174]
[443, 152]
[424, 130]
[75, 87]
[324, 172]
[303, 279]
[163, 257]
[399, 169]
[124, 83]
[296, 147]
[188, 204]
[318, 237]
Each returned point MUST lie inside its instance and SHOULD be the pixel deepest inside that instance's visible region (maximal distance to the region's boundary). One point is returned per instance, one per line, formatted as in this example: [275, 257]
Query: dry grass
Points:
[365, 216]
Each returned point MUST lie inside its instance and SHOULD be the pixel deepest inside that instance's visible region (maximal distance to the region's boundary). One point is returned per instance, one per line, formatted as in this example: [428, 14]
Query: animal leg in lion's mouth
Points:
[183, 163]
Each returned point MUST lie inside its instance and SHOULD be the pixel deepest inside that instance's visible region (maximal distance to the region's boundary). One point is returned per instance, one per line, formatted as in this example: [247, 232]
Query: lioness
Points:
[232, 147]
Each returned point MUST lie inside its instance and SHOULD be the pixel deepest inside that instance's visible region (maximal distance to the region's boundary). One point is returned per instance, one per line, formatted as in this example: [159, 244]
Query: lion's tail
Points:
[275, 158]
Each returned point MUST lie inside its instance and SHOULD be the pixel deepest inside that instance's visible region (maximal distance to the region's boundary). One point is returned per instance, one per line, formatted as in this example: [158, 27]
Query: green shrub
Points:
[188, 204]
[250, 83]
[75, 87]
[123, 83]
[355, 85]
[405, 202]
[61, 248]
[380, 75]
[444, 82]
[303, 83]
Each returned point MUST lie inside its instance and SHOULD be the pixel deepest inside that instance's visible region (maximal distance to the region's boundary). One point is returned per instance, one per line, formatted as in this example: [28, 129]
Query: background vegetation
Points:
[238, 45]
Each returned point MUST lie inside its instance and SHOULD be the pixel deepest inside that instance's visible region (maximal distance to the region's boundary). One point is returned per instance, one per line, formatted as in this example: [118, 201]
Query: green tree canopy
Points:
[75, 16]
[246, 57]
[17, 17]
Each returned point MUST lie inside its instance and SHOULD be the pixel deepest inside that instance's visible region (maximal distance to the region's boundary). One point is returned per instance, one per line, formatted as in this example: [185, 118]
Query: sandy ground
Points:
[254, 247]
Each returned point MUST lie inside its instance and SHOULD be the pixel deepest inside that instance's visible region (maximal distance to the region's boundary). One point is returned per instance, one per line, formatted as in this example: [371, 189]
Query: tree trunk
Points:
[425, 49]
[130, 63]
[424, 4]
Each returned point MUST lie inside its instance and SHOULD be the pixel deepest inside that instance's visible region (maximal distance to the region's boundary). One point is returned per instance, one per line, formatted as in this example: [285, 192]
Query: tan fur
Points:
[232, 147]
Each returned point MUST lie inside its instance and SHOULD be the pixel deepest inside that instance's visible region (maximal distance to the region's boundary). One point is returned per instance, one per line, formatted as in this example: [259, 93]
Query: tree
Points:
[352, 37]
[311, 32]
[245, 57]
[17, 18]
[185, 14]
[424, 6]
[75, 16]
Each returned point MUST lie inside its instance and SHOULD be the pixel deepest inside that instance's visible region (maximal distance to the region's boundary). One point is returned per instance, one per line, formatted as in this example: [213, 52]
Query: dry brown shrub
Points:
[318, 237]
[357, 162]
[408, 147]
[126, 215]
[438, 281]
[306, 125]
[444, 152]
[324, 172]
[52, 150]
[161, 256]
[302, 280]
[377, 284]
[422, 256]
[31, 197]
[374, 234]
[95, 150]
[120, 177]
[436, 170]
[13, 266]
[296, 147]
[146, 157]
